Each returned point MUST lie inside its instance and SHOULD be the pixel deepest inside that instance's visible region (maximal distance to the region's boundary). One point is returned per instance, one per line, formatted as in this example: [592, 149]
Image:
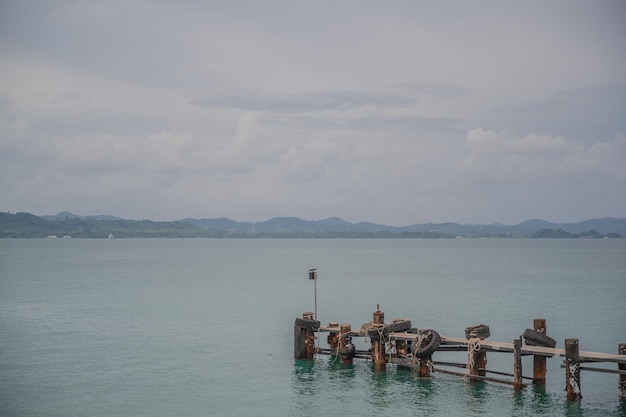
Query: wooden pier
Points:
[397, 342]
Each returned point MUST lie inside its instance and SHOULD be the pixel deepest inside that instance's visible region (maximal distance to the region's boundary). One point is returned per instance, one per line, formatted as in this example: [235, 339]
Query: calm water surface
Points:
[203, 327]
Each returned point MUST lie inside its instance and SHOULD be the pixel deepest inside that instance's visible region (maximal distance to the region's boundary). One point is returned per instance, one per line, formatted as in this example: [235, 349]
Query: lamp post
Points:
[313, 276]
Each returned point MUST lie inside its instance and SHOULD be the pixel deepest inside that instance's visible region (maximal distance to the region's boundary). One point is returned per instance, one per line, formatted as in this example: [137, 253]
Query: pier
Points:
[398, 342]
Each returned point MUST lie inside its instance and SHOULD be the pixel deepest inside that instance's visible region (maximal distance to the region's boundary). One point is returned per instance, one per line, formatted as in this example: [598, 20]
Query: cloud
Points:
[305, 101]
[149, 109]
[586, 113]
[542, 164]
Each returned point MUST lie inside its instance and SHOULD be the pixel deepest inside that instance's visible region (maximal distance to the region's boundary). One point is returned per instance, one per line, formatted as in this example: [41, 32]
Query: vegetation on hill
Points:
[25, 225]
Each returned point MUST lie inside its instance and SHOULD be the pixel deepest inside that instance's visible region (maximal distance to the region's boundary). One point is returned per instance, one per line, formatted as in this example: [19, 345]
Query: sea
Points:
[205, 327]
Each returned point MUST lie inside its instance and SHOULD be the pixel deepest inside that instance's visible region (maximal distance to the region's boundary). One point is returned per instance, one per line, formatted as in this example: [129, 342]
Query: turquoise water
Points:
[203, 327]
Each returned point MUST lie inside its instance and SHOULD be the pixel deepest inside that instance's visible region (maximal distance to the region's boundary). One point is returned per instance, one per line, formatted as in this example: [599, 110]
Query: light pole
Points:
[313, 276]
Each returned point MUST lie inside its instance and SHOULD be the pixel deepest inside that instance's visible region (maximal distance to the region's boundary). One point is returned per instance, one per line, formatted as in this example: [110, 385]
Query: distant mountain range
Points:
[74, 225]
[335, 224]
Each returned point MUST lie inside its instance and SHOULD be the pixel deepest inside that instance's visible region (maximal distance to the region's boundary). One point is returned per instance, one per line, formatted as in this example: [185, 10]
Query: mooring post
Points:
[298, 342]
[426, 367]
[622, 367]
[539, 362]
[517, 368]
[378, 342]
[344, 341]
[304, 339]
[477, 360]
[333, 336]
[572, 370]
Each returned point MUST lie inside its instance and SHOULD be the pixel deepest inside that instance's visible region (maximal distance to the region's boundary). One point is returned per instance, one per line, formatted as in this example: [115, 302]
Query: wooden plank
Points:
[484, 378]
[583, 356]
[606, 371]
[495, 346]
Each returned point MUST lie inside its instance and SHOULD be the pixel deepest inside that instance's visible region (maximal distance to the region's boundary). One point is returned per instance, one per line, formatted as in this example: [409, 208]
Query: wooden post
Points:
[517, 368]
[333, 336]
[378, 343]
[481, 362]
[622, 367]
[379, 316]
[346, 359]
[572, 370]
[426, 367]
[298, 342]
[304, 339]
[539, 362]
[477, 358]
[333, 340]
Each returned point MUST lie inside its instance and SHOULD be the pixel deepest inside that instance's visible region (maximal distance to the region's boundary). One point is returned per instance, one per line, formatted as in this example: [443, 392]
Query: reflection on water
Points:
[324, 386]
[573, 409]
[475, 396]
[304, 382]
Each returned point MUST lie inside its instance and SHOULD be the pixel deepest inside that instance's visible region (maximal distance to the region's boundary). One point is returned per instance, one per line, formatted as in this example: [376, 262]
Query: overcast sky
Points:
[397, 112]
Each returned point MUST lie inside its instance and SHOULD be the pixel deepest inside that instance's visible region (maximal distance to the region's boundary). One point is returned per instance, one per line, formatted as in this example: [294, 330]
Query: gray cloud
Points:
[408, 124]
[587, 113]
[398, 114]
[304, 102]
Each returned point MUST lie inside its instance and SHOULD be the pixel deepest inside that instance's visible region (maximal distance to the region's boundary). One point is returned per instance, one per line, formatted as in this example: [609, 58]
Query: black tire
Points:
[393, 327]
[480, 331]
[307, 324]
[399, 326]
[433, 342]
[535, 338]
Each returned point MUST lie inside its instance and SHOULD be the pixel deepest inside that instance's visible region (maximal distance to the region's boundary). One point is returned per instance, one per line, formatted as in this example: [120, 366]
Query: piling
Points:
[477, 360]
[304, 338]
[621, 350]
[517, 368]
[426, 367]
[333, 337]
[346, 348]
[539, 361]
[572, 370]
[378, 342]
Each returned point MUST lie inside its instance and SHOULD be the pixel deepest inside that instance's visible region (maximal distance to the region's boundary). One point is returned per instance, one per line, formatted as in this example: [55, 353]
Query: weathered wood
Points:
[400, 335]
[490, 345]
[309, 343]
[621, 350]
[298, 342]
[378, 343]
[539, 361]
[602, 370]
[379, 316]
[333, 336]
[483, 378]
[303, 337]
[476, 359]
[426, 367]
[402, 347]
[344, 340]
[572, 370]
[517, 368]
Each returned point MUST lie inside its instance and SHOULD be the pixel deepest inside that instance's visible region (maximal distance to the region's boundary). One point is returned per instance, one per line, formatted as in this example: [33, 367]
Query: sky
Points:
[398, 112]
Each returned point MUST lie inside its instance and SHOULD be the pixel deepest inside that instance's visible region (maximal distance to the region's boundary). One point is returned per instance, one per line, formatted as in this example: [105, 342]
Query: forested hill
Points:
[66, 224]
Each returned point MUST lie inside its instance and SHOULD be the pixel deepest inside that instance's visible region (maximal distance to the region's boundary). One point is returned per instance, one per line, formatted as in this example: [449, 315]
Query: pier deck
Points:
[401, 344]
[491, 345]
